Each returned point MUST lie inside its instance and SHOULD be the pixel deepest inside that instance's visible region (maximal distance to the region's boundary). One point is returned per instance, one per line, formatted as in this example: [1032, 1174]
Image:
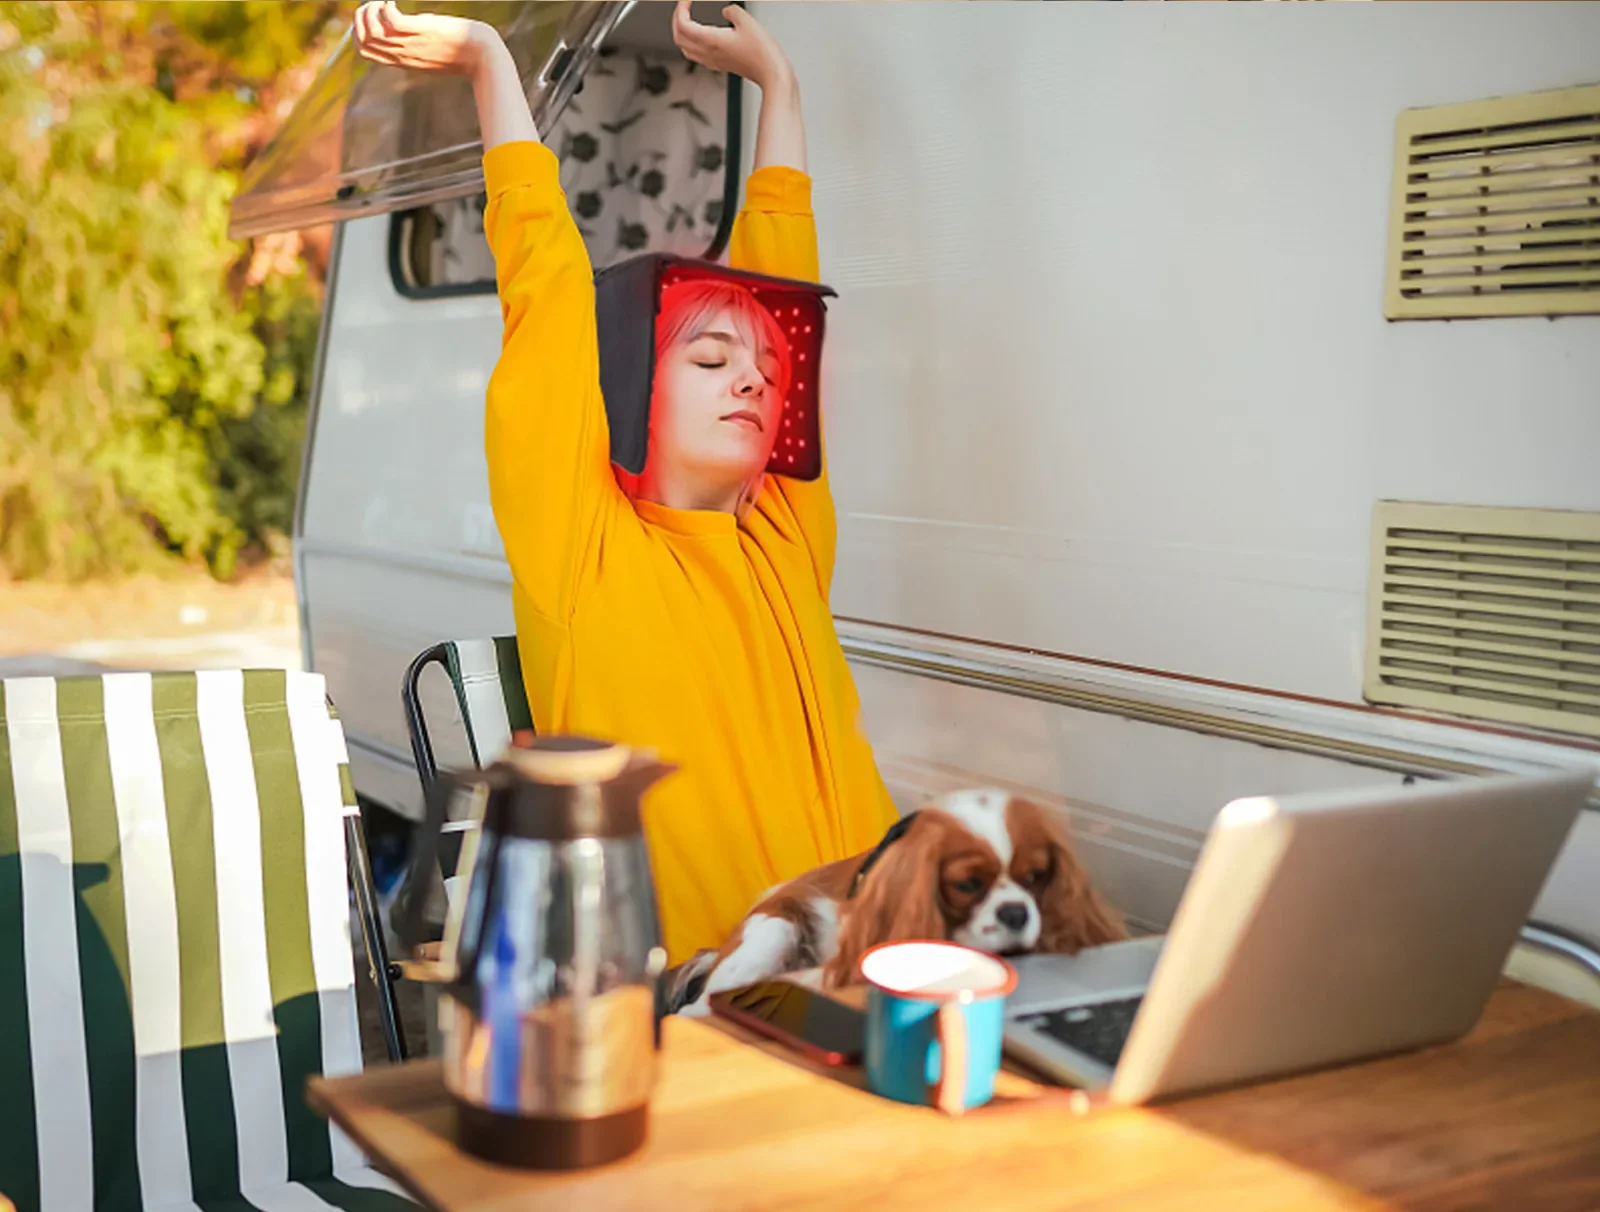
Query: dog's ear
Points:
[1073, 915]
[899, 899]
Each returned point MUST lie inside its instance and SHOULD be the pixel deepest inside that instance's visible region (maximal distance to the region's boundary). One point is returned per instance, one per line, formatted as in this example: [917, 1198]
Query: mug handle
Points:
[949, 1093]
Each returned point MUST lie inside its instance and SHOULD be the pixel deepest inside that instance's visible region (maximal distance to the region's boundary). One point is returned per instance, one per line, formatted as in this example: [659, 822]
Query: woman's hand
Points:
[748, 50]
[427, 42]
[745, 50]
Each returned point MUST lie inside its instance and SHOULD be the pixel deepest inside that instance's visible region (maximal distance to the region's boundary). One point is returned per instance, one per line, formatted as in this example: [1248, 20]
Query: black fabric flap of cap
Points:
[625, 298]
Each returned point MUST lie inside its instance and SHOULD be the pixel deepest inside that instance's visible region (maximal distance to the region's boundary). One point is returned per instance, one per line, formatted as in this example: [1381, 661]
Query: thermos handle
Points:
[949, 1093]
[410, 901]
[466, 956]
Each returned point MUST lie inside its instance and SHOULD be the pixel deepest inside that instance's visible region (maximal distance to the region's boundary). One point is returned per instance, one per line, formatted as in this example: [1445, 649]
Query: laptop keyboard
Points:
[1099, 1030]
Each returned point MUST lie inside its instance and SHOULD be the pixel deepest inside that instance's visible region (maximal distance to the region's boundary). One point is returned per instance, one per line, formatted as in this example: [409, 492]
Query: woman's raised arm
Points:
[775, 232]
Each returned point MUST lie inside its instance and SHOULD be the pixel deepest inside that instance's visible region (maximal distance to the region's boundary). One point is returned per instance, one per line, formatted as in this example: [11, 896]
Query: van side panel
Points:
[398, 548]
[1109, 373]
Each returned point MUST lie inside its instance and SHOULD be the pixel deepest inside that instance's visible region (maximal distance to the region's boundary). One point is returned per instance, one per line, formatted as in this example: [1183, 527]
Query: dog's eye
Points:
[1037, 879]
[970, 886]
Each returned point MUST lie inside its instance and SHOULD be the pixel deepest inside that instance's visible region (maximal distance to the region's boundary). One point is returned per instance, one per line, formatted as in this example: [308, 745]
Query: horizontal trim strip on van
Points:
[382, 750]
[1553, 940]
[492, 569]
[1234, 713]
[1357, 735]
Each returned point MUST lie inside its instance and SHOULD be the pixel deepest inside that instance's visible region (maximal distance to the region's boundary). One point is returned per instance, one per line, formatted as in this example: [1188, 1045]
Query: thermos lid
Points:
[569, 760]
[562, 788]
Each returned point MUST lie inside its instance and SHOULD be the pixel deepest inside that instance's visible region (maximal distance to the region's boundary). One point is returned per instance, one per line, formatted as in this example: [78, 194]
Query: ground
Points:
[183, 621]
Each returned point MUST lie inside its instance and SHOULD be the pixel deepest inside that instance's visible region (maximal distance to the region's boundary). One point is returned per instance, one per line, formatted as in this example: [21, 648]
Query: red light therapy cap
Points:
[627, 305]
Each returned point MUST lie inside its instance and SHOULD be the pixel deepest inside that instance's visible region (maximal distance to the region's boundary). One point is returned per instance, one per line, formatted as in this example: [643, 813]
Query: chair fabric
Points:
[487, 678]
[175, 955]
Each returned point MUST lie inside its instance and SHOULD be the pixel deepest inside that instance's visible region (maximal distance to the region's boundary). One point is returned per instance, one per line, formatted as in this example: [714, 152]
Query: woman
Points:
[686, 611]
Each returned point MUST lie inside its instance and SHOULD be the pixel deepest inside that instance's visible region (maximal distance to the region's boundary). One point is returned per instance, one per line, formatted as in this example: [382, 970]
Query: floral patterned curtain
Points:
[643, 151]
[643, 155]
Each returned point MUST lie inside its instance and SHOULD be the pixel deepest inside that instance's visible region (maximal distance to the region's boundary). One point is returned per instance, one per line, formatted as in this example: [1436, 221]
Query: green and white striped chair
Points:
[175, 954]
[486, 676]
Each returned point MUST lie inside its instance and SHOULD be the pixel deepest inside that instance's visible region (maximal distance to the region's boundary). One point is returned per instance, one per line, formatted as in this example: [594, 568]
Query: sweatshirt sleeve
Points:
[776, 234]
[545, 434]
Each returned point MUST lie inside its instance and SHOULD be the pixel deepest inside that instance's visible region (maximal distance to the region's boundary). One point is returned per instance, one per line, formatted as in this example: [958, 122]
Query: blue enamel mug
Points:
[935, 1017]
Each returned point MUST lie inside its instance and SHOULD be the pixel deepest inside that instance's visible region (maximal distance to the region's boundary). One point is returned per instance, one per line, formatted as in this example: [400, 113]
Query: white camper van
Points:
[1213, 391]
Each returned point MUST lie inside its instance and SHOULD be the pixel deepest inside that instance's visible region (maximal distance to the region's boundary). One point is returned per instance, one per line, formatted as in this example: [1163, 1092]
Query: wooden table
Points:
[1507, 1118]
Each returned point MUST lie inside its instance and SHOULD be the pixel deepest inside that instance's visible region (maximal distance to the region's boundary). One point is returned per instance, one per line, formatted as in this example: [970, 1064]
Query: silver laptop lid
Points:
[1338, 925]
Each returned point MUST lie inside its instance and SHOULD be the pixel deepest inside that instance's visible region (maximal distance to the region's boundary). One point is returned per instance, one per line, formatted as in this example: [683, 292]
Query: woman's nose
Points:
[749, 383]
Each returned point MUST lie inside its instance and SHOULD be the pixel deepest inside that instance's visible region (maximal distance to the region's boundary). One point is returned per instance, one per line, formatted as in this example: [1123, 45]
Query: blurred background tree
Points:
[153, 373]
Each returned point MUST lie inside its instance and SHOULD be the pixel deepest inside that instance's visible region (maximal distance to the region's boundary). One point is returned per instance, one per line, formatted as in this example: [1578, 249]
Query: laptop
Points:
[1315, 929]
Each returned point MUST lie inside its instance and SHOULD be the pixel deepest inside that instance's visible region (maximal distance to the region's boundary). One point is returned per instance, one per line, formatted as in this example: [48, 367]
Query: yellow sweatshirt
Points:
[705, 638]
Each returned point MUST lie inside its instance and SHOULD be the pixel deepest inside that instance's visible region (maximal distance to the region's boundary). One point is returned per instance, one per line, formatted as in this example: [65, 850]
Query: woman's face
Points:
[717, 402]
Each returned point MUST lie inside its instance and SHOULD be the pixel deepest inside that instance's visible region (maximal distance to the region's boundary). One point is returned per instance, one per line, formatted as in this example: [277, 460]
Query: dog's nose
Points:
[1013, 915]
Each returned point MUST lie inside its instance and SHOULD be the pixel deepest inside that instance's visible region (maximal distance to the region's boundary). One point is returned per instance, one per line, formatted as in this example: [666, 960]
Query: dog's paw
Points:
[686, 984]
[699, 1008]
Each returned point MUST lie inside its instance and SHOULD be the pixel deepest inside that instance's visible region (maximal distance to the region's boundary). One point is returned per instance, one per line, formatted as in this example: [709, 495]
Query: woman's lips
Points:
[745, 417]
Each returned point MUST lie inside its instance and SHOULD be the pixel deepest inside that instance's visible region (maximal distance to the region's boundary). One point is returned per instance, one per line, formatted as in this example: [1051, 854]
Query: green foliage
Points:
[253, 41]
[256, 458]
[148, 407]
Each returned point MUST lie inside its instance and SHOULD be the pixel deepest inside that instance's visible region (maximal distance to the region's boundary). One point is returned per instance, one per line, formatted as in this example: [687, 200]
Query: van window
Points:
[648, 153]
[365, 140]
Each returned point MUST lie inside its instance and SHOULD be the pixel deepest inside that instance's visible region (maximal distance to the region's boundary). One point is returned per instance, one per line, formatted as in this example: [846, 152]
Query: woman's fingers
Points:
[682, 25]
[369, 34]
[693, 39]
[382, 31]
[368, 37]
[691, 42]
[396, 23]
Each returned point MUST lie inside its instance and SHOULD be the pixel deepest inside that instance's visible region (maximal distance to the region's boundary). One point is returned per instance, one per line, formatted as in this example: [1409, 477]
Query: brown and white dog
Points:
[983, 868]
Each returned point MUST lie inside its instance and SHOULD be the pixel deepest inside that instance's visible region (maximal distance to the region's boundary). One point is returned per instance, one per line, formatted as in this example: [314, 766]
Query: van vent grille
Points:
[1488, 613]
[1496, 208]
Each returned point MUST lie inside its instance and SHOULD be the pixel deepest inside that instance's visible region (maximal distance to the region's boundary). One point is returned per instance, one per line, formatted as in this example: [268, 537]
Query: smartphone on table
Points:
[827, 1031]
